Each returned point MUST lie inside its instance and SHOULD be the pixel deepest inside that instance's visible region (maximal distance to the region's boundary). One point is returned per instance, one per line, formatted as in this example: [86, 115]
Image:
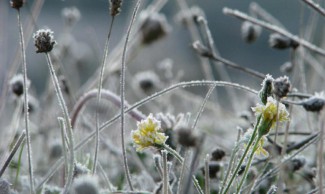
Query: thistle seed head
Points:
[281, 87]
[43, 40]
[16, 84]
[17, 4]
[250, 32]
[115, 7]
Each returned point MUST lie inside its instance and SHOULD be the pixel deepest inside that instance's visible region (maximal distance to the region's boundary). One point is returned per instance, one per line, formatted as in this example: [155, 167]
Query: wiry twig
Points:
[122, 93]
[274, 28]
[315, 6]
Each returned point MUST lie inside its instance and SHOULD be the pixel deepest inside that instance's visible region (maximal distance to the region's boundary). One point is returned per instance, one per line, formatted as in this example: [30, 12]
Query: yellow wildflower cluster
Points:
[147, 134]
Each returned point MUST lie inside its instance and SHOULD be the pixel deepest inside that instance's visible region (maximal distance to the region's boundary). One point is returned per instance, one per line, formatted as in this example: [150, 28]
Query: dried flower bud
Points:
[71, 15]
[85, 184]
[281, 87]
[278, 41]
[186, 137]
[286, 67]
[115, 7]
[217, 154]
[314, 103]
[297, 163]
[44, 40]
[17, 4]
[147, 80]
[250, 32]
[214, 168]
[17, 84]
[266, 89]
[4, 186]
[80, 169]
[154, 26]
[201, 49]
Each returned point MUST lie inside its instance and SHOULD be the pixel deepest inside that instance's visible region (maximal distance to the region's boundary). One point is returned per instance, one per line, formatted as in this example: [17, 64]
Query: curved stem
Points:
[101, 76]
[67, 121]
[26, 113]
[122, 92]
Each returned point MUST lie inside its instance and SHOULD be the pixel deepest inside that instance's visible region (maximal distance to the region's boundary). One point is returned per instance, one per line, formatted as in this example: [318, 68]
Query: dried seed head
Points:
[314, 103]
[44, 41]
[147, 80]
[186, 137]
[17, 84]
[281, 87]
[217, 154]
[154, 27]
[4, 186]
[297, 163]
[250, 32]
[17, 4]
[191, 14]
[85, 185]
[201, 49]
[71, 15]
[32, 104]
[80, 170]
[278, 41]
[286, 67]
[115, 7]
[266, 89]
[56, 149]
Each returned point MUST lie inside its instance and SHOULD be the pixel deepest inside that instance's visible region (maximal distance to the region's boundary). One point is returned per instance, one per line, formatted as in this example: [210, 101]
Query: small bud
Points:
[266, 89]
[281, 87]
[44, 41]
[71, 15]
[4, 186]
[278, 41]
[286, 67]
[313, 104]
[115, 7]
[201, 49]
[186, 137]
[217, 154]
[17, 84]
[154, 26]
[85, 185]
[250, 32]
[147, 80]
[17, 4]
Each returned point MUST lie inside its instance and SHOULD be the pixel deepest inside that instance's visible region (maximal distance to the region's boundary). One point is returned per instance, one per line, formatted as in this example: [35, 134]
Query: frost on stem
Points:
[43, 40]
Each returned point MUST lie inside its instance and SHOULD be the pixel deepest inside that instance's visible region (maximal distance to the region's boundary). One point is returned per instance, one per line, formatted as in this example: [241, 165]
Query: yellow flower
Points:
[268, 115]
[147, 134]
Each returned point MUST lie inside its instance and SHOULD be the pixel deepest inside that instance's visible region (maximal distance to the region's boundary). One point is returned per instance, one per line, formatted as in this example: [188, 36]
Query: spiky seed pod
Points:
[313, 104]
[85, 185]
[186, 137]
[217, 154]
[17, 4]
[153, 27]
[16, 84]
[115, 7]
[250, 32]
[71, 15]
[281, 87]
[43, 40]
[278, 41]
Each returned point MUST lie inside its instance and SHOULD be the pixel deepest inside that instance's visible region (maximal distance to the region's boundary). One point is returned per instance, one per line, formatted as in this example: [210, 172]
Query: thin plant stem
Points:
[13, 152]
[26, 113]
[181, 160]
[315, 6]
[165, 172]
[19, 163]
[122, 93]
[182, 173]
[321, 152]
[250, 159]
[101, 77]
[106, 179]
[274, 28]
[63, 139]
[65, 112]
[248, 147]
[207, 177]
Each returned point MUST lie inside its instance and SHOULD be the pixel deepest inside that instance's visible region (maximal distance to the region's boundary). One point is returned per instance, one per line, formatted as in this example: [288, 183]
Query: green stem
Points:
[248, 164]
[181, 160]
[244, 155]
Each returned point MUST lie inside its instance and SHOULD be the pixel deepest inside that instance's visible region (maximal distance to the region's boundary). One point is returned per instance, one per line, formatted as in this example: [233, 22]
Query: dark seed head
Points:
[217, 154]
[17, 4]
